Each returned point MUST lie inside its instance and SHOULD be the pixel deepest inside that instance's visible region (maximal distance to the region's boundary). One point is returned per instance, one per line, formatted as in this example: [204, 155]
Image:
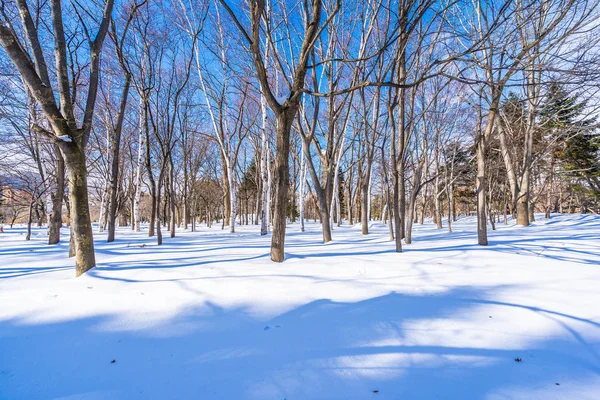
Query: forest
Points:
[179, 113]
[297, 127]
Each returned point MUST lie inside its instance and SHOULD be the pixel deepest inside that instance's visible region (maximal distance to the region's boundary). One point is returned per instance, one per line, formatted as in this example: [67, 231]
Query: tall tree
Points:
[71, 137]
[285, 108]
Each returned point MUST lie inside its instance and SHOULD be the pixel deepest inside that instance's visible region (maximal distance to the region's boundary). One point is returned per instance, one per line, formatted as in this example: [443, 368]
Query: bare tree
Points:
[70, 138]
[285, 111]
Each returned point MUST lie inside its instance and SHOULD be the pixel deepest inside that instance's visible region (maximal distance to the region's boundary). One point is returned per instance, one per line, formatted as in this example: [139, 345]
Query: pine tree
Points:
[577, 147]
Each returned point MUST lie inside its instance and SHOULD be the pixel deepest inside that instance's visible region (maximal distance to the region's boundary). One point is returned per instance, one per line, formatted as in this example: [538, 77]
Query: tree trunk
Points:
[397, 219]
[481, 191]
[151, 183]
[138, 176]
[226, 194]
[325, 217]
[424, 205]
[412, 205]
[491, 215]
[71, 242]
[350, 216]
[233, 199]
[102, 212]
[509, 165]
[437, 202]
[323, 192]
[481, 187]
[282, 172]
[338, 207]
[185, 200]
[39, 215]
[397, 176]
[522, 210]
[55, 222]
[302, 189]
[29, 220]
[550, 193]
[364, 193]
[409, 220]
[450, 205]
[158, 212]
[116, 150]
[173, 222]
[81, 223]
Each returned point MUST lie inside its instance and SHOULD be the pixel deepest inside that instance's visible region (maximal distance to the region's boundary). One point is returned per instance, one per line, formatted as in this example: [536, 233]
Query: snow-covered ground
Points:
[209, 316]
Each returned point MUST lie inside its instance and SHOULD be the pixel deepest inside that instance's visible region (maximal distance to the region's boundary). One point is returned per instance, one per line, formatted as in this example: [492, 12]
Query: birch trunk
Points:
[173, 220]
[138, 178]
[232, 197]
[437, 194]
[302, 189]
[264, 167]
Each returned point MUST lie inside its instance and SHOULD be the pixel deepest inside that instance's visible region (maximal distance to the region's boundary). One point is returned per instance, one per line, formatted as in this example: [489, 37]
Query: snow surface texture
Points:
[209, 316]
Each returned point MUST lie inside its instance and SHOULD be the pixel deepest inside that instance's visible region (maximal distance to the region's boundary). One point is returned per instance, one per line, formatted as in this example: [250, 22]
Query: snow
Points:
[208, 316]
[65, 138]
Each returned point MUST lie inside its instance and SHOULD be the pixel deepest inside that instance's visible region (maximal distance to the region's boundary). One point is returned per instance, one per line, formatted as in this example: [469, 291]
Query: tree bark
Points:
[481, 187]
[55, 222]
[226, 192]
[81, 223]
[114, 170]
[364, 193]
[29, 220]
[320, 190]
[412, 205]
[282, 172]
[436, 191]
[172, 221]
[138, 183]
[302, 189]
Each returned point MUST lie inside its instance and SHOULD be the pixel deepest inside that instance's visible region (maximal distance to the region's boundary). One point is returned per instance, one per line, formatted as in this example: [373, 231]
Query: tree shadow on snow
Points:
[404, 346]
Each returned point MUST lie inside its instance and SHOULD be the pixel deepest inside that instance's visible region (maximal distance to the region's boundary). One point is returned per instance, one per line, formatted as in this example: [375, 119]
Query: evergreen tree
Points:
[577, 148]
[578, 143]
